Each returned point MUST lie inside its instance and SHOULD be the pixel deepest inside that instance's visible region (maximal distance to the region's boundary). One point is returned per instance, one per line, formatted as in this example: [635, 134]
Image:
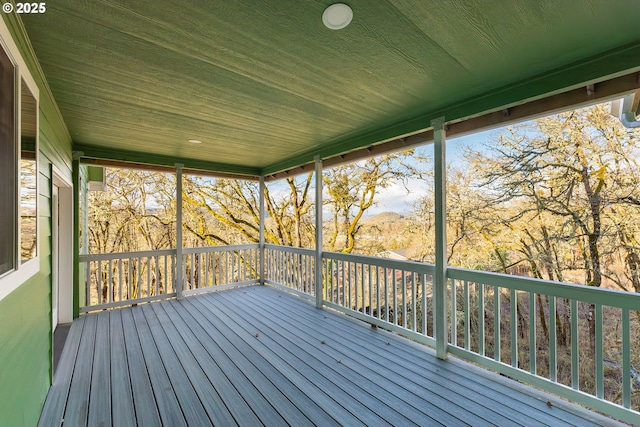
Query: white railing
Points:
[292, 268]
[206, 268]
[118, 279]
[126, 278]
[397, 295]
[568, 339]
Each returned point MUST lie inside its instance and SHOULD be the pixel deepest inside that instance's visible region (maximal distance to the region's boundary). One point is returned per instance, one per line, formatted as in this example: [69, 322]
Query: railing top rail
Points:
[417, 267]
[590, 294]
[292, 249]
[228, 248]
[125, 255]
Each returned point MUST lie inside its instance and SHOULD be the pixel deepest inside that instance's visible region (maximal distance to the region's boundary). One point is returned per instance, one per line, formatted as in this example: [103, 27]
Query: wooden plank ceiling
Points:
[264, 85]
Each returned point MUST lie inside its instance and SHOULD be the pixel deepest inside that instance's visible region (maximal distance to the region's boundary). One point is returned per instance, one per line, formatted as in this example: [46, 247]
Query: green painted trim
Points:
[75, 176]
[609, 65]
[89, 151]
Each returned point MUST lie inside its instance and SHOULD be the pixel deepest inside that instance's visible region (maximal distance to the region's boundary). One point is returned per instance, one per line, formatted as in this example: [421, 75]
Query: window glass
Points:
[8, 158]
[28, 175]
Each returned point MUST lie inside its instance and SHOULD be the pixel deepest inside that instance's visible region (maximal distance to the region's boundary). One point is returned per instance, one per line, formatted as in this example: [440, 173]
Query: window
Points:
[18, 168]
[28, 175]
[8, 156]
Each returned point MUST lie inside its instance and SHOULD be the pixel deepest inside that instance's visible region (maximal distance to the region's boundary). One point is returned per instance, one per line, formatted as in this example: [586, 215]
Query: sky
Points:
[395, 197]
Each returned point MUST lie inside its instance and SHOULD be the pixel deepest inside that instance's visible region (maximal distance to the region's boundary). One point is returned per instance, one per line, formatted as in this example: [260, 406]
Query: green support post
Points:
[75, 177]
[440, 276]
[318, 264]
[179, 265]
[262, 216]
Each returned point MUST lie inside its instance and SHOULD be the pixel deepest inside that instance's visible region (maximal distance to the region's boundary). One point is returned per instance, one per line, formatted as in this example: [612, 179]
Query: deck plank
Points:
[274, 388]
[166, 400]
[260, 356]
[146, 410]
[121, 388]
[100, 394]
[195, 363]
[360, 401]
[188, 399]
[403, 376]
[401, 390]
[76, 412]
[365, 377]
[270, 358]
[53, 411]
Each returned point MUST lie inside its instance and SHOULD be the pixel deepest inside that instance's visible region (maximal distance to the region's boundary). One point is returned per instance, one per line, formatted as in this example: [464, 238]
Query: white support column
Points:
[440, 277]
[262, 218]
[318, 261]
[179, 266]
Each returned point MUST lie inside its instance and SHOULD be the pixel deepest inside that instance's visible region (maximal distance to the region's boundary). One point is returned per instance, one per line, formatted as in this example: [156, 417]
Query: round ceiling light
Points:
[337, 16]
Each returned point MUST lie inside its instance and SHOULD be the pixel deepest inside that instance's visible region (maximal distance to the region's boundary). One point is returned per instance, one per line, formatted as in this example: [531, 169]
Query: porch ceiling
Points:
[264, 85]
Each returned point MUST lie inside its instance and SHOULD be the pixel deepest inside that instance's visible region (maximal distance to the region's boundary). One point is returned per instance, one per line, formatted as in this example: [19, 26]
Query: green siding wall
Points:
[25, 314]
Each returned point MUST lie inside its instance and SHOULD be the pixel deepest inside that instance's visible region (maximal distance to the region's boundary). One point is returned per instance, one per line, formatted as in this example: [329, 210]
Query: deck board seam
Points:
[407, 396]
[246, 366]
[379, 351]
[279, 354]
[365, 398]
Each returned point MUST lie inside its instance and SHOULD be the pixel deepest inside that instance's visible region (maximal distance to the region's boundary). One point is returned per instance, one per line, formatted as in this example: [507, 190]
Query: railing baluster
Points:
[394, 286]
[454, 314]
[496, 323]
[130, 277]
[99, 287]
[480, 318]
[532, 333]
[424, 304]
[149, 276]
[599, 354]
[237, 255]
[157, 259]
[342, 285]
[139, 282]
[87, 284]
[403, 283]
[370, 287]
[414, 296]
[386, 295]
[514, 328]
[553, 363]
[378, 315]
[575, 375]
[467, 317]
[626, 359]
[166, 278]
[120, 279]
[207, 265]
[110, 281]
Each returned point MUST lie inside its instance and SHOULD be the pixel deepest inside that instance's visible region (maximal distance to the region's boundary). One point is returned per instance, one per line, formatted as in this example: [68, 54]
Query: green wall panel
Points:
[25, 314]
[24, 352]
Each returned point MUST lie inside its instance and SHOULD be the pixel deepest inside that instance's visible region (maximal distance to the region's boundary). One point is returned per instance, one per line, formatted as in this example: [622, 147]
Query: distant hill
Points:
[387, 231]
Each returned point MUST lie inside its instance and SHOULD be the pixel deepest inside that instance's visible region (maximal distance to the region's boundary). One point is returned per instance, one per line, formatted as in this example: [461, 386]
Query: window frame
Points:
[13, 279]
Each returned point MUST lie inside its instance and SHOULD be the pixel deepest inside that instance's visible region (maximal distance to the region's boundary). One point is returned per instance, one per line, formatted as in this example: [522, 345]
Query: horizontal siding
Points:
[25, 314]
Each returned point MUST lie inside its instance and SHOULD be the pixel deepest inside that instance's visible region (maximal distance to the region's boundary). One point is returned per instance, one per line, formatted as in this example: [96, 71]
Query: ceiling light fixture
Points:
[337, 16]
[195, 141]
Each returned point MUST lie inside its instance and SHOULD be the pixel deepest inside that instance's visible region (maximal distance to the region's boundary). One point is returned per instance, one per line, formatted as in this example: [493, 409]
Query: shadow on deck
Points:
[259, 356]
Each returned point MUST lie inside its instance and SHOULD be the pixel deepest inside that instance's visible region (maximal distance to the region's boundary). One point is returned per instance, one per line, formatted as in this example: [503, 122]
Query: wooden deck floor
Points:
[258, 356]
